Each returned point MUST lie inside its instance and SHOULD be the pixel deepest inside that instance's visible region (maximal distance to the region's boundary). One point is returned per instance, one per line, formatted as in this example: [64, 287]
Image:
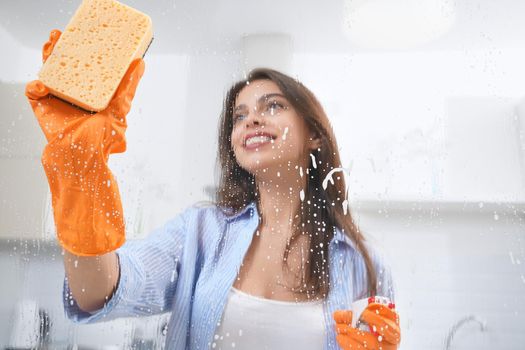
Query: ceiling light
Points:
[397, 24]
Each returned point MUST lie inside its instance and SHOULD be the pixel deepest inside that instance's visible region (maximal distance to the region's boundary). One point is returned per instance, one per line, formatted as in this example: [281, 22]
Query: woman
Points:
[275, 262]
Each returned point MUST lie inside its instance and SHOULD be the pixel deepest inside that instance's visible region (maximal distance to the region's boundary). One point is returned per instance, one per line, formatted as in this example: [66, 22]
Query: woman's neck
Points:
[279, 204]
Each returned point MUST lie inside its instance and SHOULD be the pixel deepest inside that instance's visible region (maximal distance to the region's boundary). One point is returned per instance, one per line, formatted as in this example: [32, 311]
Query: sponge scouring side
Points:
[94, 52]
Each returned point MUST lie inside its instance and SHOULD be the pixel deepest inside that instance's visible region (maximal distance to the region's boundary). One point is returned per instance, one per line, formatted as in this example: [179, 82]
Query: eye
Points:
[274, 106]
[237, 117]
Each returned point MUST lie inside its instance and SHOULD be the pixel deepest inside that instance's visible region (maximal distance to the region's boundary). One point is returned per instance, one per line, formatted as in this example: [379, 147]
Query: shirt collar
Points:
[252, 208]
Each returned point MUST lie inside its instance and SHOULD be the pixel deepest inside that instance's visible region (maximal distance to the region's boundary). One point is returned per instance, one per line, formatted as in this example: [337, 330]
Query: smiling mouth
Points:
[258, 141]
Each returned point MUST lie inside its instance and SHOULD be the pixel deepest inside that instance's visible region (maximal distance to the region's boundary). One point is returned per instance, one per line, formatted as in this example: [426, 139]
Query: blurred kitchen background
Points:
[427, 99]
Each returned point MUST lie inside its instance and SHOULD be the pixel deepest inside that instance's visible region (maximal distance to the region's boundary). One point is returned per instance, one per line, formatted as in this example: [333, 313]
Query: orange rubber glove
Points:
[384, 322]
[86, 202]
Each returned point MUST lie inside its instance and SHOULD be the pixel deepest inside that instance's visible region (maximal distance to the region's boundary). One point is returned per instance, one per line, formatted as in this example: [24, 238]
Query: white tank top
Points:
[256, 323]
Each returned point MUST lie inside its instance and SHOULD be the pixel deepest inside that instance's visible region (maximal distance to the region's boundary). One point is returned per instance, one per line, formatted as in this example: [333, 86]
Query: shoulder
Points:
[191, 219]
[205, 212]
[205, 220]
[213, 211]
[206, 223]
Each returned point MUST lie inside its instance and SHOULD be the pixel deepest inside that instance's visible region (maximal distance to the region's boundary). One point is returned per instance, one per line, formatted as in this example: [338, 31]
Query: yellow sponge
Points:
[94, 52]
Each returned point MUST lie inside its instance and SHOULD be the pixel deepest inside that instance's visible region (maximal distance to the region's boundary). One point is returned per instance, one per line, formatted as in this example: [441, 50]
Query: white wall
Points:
[452, 262]
[424, 125]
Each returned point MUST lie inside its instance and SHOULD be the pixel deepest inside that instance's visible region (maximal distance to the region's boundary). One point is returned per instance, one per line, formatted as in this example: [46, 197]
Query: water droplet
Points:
[512, 258]
[285, 132]
[314, 163]
[345, 206]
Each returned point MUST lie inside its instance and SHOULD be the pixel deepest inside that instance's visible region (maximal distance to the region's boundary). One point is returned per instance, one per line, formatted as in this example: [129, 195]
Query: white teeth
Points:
[258, 139]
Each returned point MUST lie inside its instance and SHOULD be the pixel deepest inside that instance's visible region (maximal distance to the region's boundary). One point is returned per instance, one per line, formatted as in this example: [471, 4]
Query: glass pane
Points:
[426, 103]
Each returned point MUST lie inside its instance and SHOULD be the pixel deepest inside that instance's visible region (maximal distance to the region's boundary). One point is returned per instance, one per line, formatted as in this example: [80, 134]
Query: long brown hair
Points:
[322, 209]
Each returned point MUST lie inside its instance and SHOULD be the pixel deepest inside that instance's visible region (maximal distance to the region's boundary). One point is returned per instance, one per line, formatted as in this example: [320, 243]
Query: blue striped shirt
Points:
[187, 267]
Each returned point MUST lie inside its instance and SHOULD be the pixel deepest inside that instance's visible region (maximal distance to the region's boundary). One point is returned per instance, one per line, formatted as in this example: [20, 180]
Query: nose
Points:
[253, 118]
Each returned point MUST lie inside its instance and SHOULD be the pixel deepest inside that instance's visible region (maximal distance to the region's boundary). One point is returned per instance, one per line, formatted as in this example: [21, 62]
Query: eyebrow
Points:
[261, 99]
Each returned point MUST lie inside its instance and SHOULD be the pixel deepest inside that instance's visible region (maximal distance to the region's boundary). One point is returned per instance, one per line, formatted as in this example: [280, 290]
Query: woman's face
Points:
[268, 136]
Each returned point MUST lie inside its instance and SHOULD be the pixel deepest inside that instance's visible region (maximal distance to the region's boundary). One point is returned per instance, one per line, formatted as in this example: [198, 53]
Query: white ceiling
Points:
[199, 26]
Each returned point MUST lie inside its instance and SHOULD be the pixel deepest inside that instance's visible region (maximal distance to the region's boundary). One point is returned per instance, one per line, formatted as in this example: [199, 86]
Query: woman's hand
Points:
[384, 323]
[86, 202]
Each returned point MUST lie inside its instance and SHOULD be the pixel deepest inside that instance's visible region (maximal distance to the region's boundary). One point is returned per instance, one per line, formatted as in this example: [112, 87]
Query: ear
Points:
[314, 141]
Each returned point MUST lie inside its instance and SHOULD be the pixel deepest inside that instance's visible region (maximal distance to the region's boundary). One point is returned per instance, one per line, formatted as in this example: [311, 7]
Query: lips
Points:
[246, 137]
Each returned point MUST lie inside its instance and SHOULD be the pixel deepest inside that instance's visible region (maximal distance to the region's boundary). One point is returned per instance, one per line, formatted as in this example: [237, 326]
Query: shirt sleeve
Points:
[148, 276]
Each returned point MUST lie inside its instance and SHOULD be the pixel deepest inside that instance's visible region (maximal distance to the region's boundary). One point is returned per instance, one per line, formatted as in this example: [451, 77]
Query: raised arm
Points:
[86, 201]
[92, 280]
